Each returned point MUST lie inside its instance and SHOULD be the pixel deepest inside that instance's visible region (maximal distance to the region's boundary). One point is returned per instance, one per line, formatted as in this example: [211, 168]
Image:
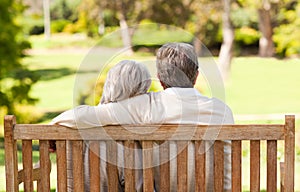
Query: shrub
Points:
[286, 38]
[59, 25]
[246, 36]
[36, 30]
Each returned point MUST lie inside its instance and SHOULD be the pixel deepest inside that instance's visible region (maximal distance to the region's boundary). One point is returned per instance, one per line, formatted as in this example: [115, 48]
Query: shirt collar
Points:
[182, 91]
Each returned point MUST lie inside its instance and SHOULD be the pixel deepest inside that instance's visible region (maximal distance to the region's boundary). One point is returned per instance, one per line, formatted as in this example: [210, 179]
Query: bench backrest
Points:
[180, 134]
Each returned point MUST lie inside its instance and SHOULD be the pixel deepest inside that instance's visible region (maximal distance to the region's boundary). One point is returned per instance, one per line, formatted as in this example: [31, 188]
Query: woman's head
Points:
[124, 80]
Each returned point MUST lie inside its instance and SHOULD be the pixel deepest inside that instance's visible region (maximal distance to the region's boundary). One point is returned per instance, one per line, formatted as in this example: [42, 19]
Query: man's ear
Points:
[196, 78]
[161, 83]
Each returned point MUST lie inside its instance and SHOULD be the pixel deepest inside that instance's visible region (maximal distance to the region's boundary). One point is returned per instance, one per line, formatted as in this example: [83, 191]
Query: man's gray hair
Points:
[124, 80]
[177, 65]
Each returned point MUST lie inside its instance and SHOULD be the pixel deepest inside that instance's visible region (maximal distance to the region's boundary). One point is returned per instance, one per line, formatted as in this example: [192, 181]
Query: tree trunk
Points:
[266, 45]
[226, 51]
[125, 33]
[197, 46]
[46, 6]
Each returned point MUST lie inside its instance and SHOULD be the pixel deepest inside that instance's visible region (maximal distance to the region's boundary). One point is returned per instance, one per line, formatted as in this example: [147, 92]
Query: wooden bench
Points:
[236, 133]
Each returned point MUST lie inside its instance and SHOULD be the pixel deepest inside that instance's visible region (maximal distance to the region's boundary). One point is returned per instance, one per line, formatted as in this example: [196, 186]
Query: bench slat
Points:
[44, 182]
[254, 165]
[182, 165]
[61, 165]
[164, 167]
[27, 164]
[289, 153]
[219, 166]
[200, 166]
[77, 151]
[162, 133]
[11, 159]
[129, 161]
[148, 175]
[111, 166]
[94, 165]
[236, 163]
[272, 166]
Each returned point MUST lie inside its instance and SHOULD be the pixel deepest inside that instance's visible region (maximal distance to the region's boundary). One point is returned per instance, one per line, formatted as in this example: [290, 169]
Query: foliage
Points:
[246, 36]
[287, 35]
[64, 9]
[15, 79]
[59, 25]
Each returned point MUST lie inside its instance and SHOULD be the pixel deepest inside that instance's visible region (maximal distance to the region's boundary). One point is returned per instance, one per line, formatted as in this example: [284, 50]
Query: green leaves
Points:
[15, 79]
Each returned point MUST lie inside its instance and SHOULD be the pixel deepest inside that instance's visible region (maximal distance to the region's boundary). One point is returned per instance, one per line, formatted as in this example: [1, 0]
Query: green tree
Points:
[15, 79]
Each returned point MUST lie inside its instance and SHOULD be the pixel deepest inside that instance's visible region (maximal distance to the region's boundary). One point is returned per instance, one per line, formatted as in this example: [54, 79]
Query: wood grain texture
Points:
[272, 166]
[289, 153]
[61, 160]
[11, 161]
[219, 166]
[45, 165]
[94, 165]
[254, 166]
[111, 166]
[129, 161]
[200, 166]
[164, 166]
[236, 164]
[77, 151]
[148, 174]
[236, 133]
[27, 164]
[162, 133]
[182, 166]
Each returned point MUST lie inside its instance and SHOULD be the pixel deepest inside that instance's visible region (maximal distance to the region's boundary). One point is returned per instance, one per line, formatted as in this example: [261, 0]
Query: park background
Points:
[45, 46]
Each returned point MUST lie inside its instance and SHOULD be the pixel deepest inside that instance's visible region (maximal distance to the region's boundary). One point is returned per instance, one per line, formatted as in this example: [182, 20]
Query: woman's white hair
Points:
[126, 79]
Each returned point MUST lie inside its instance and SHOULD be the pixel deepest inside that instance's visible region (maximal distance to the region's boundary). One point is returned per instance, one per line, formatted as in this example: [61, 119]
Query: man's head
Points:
[177, 65]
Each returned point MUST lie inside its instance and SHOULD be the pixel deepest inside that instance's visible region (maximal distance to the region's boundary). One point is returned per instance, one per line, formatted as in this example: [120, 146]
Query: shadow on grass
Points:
[50, 74]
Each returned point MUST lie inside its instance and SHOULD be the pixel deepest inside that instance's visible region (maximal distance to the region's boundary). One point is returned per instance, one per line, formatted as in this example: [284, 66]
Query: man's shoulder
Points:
[225, 109]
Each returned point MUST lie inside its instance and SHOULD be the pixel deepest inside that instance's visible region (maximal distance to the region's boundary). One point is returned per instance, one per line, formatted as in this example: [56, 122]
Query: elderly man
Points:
[178, 103]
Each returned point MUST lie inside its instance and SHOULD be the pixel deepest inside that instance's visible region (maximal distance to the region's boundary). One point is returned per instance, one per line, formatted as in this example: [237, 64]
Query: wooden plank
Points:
[94, 165]
[200, 166]
[148, 174]
[164, 166]
[61, 160]
[272, 166]
[129, 162]
[236, 164]
[78, 178]
[44, 182]
[162, 133]
[289, 153]
[111, 166]
[219, 166]
[254, 166]
[11, 164]
[182, 166]
[27, 164]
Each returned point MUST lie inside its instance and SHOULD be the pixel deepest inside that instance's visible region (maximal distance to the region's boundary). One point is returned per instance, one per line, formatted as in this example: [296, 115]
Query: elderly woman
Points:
[125, 80]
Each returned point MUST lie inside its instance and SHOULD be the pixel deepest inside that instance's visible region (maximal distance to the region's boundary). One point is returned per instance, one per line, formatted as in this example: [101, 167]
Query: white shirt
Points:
[173, 105]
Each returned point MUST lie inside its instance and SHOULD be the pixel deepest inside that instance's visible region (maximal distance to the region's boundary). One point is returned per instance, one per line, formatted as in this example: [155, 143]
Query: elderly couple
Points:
[125, 101]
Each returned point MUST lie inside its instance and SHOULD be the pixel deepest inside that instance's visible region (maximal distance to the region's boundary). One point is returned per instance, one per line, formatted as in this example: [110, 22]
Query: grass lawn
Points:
[256, 86]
